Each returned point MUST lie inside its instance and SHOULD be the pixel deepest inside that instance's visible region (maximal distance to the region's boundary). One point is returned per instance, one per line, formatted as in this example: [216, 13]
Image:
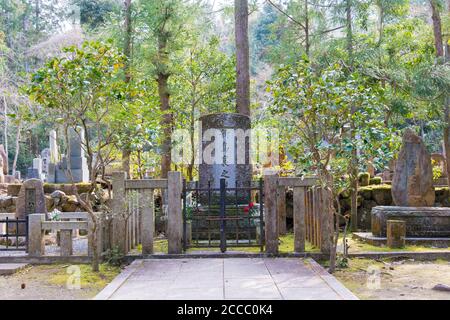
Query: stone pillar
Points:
[65, 240]
[36, 244]
[281, 210]
[299, 209]
[118, 209]
[225, 153]
[326, 221]
[175, 217]
[270, 211]
[148, 221]
[396, 233]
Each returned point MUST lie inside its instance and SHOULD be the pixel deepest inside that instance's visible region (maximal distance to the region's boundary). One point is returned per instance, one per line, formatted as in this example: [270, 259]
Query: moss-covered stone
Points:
[66, 188]
[382, 195]
[365, 192]
[363, 179]
[375, 181]
[13, 189]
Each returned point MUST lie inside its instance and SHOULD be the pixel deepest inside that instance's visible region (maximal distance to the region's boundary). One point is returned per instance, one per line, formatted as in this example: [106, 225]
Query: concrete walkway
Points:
[229, 278]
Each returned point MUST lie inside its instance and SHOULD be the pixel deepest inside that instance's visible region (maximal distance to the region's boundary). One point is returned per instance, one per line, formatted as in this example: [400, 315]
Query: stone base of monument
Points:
[369, 238]
[421, 222]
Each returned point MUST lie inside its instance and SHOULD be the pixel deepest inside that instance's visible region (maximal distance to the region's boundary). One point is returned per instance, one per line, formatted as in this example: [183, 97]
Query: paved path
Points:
[229, 278]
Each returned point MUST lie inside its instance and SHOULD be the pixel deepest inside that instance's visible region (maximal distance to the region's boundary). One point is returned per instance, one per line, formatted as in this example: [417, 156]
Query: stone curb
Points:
[118, 281]
[46, 260]
[334, 284]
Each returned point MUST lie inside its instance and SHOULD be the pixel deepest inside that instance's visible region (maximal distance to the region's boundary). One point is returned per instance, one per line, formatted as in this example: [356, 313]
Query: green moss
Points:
[363, 179]
[375, 181]
[89, 279]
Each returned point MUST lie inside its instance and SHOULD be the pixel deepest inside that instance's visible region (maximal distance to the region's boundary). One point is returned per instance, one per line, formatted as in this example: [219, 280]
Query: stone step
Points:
[7, 269]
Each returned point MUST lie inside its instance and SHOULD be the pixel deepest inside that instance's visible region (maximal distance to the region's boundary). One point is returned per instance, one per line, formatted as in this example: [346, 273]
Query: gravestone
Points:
[45, 156]
[225, 152]
[53, 143]
[31, 199]
[4, 157]
[78, 161]
[412, 184]
[35, 172]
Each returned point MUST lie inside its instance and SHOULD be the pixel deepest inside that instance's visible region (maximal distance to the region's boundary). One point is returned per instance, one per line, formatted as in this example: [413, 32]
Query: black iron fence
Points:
[13, 234]
[223, 217]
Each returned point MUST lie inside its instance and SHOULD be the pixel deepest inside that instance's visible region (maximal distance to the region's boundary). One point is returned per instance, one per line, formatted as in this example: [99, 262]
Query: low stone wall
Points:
[57, 196]
[372, 196]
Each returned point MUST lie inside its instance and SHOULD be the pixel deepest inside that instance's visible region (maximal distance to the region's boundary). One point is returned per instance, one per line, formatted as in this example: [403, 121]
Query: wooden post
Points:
[174, 216]
[148, 221]
[281, 210]
[270, 210]
[299, 219]
[396, 233]
[36, 245]
[118, 207]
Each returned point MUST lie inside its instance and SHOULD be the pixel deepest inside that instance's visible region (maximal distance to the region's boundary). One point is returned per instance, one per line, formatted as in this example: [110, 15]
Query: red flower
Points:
[251, 205]
[246, 209]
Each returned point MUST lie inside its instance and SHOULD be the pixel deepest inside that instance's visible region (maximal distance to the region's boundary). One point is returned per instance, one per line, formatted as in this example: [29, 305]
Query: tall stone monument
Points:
[412, 185]
[57, 171]
[225, 143]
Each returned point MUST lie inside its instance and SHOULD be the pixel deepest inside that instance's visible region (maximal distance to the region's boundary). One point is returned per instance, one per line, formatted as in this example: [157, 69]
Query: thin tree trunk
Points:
[242, 57]
[437, 29]
[5, 129]
[126, 152]
[307, 40]
[439, 46]
[166, 123]
[16, 152]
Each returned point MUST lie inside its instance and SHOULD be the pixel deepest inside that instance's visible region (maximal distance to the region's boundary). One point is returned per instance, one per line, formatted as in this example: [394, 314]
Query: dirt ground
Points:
[396, 280]
[55, 282]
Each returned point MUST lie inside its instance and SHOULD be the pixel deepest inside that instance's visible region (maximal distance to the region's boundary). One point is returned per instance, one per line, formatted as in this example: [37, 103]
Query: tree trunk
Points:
[5, 129]
[126, 155]
[439, 46]
[128, 41]
[307, 36]
[126, 152]
[354, 161]
[166, 123]
[242, 57]
[437, 29]
[16, 152]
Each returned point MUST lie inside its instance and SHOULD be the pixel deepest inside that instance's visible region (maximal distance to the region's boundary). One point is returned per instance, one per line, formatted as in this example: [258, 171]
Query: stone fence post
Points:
[148, 221]
[36, 244]
[118, 210]
[326, 221]
[281, 210]
[174, 216]
[270, 211]
[299, 212]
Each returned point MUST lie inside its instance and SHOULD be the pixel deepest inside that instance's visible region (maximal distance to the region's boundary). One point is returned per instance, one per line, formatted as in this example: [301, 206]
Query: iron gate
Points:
[218, 217]
[14, 234]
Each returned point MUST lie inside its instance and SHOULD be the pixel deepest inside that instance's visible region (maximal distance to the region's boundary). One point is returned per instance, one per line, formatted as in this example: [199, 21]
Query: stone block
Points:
[420, 221]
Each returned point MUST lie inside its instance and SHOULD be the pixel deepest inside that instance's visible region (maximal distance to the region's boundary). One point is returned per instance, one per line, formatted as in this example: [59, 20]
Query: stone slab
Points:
[432, 222]
[369, 238]
[222, 279]
[7, 269]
